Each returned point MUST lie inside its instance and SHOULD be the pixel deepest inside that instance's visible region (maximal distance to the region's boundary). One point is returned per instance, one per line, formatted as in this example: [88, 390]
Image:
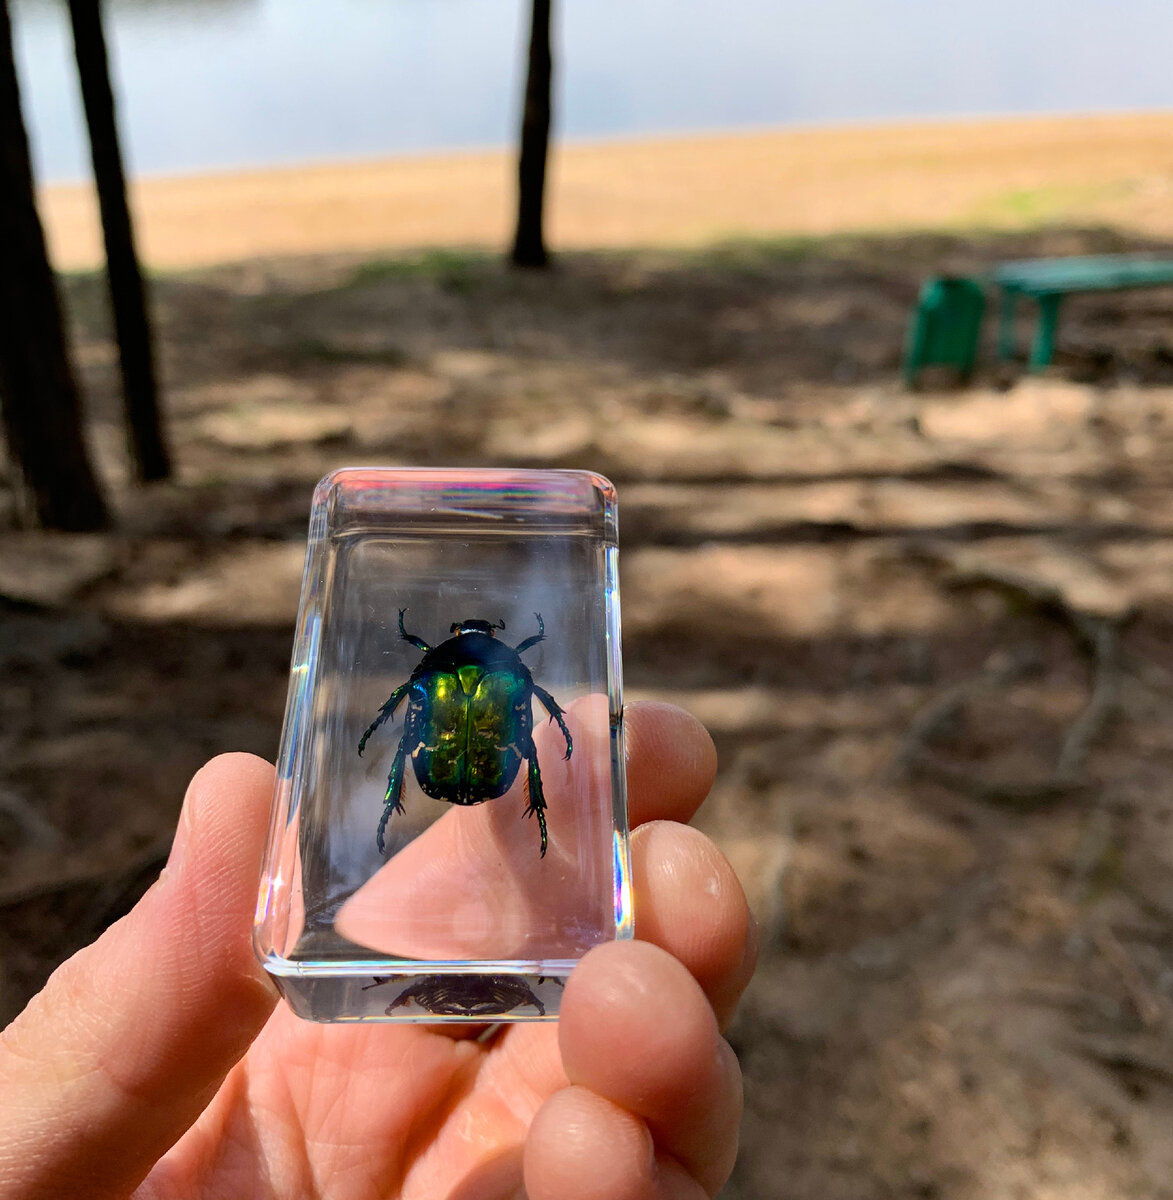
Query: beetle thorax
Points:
[475, 626]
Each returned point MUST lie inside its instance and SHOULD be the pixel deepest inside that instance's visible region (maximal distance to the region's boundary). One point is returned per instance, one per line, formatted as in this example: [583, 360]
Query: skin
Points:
[157, 1062]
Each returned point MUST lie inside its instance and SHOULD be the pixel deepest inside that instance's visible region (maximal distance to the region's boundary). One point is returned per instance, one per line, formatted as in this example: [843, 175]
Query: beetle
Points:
[467, 996]
[469, 721]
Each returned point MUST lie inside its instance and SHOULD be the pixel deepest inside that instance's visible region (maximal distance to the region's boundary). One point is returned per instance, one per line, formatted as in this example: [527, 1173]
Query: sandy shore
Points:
[1008, 173]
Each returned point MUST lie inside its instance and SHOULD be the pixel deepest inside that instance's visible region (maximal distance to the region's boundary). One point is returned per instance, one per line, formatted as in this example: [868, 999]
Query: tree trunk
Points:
[148, 448]
[529, 245]
[41, 405]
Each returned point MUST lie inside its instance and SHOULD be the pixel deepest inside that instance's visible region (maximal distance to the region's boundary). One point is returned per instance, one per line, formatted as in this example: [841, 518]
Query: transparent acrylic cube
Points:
[471, 911]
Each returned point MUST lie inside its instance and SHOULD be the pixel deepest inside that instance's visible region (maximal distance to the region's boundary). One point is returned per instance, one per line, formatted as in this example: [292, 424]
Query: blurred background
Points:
[680, 245]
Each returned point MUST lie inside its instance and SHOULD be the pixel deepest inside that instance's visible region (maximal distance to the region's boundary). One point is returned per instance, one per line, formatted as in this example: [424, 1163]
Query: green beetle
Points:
[469, 721]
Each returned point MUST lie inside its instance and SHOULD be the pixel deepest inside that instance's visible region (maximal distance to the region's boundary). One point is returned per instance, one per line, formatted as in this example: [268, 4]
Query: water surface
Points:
[207, 84]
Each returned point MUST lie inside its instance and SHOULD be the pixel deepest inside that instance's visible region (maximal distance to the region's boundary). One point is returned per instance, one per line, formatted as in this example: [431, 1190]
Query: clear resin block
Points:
[449, 831]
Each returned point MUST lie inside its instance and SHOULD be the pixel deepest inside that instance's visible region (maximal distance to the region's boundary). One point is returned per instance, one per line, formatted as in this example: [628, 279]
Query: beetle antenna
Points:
[500, 625]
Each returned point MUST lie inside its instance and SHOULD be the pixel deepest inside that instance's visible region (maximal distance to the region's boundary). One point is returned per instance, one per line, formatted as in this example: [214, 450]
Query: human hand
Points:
[155, 1058]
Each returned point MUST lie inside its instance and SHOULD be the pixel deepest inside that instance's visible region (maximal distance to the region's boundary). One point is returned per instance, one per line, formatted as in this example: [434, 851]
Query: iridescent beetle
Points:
[469, 721]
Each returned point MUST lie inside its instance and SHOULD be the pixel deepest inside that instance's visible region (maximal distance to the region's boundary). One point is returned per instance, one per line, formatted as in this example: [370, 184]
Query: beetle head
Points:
[476, 627]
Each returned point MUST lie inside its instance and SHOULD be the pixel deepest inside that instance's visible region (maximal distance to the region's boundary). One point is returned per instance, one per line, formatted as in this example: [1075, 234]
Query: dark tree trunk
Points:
[41, 405]
[148, 448]
[529, 245]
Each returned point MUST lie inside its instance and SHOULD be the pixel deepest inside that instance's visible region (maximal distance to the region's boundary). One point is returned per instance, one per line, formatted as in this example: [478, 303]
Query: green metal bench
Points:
[946, 326]
[1048, 280]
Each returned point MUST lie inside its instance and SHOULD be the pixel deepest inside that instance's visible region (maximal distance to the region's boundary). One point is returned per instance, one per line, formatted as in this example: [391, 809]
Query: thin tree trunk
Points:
[529, 245]
[148, 447]
[41, 405]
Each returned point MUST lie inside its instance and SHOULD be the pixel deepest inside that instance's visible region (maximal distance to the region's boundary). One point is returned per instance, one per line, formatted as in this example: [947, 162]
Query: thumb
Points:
[132, 1036]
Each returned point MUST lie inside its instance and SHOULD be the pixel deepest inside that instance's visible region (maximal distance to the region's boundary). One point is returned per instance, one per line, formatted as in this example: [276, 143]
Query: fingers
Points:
[671, 762]
[583, 1146]
[131, 1037]
[636, 1030]
[655, 1102]
[689, 902]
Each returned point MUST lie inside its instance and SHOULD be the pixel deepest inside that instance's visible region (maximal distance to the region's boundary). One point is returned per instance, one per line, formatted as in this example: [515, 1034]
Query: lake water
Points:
[206, 84]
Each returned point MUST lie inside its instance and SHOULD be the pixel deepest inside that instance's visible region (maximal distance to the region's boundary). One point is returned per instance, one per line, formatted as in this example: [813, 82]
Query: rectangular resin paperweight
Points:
[449, 829]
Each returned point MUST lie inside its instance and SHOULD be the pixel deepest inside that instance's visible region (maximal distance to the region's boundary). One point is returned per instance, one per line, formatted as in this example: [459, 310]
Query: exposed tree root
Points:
[1096, 636]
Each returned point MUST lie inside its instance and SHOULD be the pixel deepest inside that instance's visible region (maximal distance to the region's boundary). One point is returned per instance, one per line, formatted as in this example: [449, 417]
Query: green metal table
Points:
[1048, 280]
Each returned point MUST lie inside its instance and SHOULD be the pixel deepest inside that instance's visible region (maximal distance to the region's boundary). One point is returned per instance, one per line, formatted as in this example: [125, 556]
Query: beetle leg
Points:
[537, 801]
[555, 710]
[387, 711]
[394, 797]
[530, 642]
[418, 642]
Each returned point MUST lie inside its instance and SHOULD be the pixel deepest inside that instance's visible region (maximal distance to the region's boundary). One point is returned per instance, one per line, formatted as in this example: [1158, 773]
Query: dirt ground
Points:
[930, 634]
